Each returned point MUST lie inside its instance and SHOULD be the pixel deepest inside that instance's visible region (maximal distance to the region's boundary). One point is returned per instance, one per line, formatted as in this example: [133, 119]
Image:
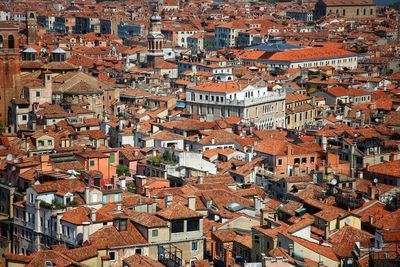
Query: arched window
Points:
[31, 16]
[11, 43]
[1, 41]
[358, 12]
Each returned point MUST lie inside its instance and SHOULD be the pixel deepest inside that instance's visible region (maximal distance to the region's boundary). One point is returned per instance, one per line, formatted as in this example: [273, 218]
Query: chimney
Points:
[257, 203]
[85, 231]
[48, 83]
[370, 219]
[58, 224]
[119, 206]
[213, 228]
[122, 182]
[291, 250]
[200, 179]
[37, 216]
[327, 231]
[168, 200]
[192, 202]
[33, 125]
[212, 141]
[44, 163]
[372, 191]
[87, 195]
[93, 215]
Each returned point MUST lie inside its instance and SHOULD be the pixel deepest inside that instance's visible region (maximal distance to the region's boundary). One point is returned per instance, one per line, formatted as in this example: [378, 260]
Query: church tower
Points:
[9, 69]
[31, 25]
[155, 41]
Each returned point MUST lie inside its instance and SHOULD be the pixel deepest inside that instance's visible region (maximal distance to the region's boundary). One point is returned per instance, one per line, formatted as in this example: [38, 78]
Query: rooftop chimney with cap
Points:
[168, 200]
[192, 202]
[200, 179]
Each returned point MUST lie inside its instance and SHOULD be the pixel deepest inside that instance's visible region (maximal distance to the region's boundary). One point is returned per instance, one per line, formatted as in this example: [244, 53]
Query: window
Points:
[154, 232]
[50, 142]
[193, 225]
[297, 161]
[11, 43]
[279, 161]
[24, 117]
[37, 93]
[303, 160]
[312, 159]
[91, 162]
[41, 143]
[194, 246]
[257, 239]
[177, 226]
[112, 158]
[112, 255]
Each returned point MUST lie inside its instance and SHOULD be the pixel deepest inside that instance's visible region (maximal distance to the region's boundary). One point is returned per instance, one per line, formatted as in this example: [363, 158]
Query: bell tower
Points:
[155, 41]
[31, 25]
[9, 69]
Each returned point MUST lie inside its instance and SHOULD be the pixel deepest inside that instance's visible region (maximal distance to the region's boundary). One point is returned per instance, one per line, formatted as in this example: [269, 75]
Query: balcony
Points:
[170, 255]
[9, 51]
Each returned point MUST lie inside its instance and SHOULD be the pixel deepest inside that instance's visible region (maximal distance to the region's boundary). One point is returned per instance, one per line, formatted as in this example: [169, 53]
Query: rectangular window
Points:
[193, 225]
[177, 227]
[279, 161]
[194, 246]
[303, 160]
[112, 158]
[154, 232]
[37, 93]
[49, 142]
[91, 162]
[112, 255]
[297, 161]
[312, 159]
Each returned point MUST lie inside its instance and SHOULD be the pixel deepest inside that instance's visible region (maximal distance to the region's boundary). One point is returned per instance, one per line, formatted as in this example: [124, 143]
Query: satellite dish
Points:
[333, 181]
[10, 157]
[375, 180]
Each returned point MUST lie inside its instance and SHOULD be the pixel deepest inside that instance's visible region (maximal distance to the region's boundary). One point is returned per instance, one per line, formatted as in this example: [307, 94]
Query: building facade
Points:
[258, 105]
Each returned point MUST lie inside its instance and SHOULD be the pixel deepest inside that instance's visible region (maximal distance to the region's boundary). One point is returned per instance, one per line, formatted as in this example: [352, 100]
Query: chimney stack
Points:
[87, 195]
[192, 202]
[93, 215]
[200, 179]
[85, 231]
[168, 199]
[257, 203]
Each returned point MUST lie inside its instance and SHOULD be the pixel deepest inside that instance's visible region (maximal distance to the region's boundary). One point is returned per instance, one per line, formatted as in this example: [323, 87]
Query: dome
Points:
[155, 17]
